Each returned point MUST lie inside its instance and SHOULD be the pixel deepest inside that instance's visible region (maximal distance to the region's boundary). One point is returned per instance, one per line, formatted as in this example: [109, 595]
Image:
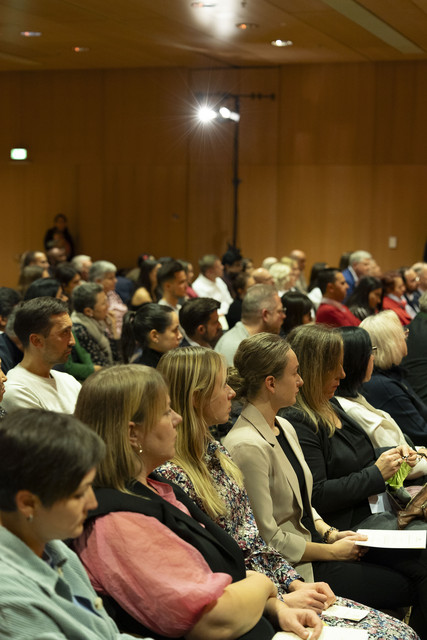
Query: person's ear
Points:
[88, 312]
[27, 503]
[153, 335]
[196, 399]
[133, 434]
[270, 383]
[36, 340]
[264, 314]
[201, 329]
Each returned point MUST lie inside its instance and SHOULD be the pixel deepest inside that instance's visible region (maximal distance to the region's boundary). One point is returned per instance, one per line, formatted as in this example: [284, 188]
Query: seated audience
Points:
[420, 269]
[2, 390]
[82, 264]
[331, 310]
[68, 277]
[43, 327]
[189, 272]
[359, 265]
[232, 263]
[298, 308]
[35, 258]
[382, 429]
[242, 282]
[415, 362]
[199, 320]
[411, 293]
[152, 328]
[30, 274]
[366, 297]
[11, 351]
[56, 255]
[282, 277]
[388, 389]
[146, 283]
[45, 287]
[313, 291]
[188, 576]
[172, 282]
[393, 290]
[248, 265]
[104, 273]
[262, 276]
[90, 323]
[300, 257]
[9, 298]
[262, 311]
[47, 465]
[209, 284]
[267, 262]
[205, 471]
[279, 482]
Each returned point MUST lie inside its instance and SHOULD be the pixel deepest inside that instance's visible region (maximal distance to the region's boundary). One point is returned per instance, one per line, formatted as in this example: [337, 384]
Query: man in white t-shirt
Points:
[210, 284]
[44, 328]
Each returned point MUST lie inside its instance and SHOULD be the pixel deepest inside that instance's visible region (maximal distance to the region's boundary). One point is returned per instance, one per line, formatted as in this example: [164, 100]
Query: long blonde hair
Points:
[191, 374]
[108, 400]
[318, 349]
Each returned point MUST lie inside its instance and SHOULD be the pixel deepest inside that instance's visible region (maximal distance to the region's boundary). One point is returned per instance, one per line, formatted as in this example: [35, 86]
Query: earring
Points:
[140, 448]
[30, 518]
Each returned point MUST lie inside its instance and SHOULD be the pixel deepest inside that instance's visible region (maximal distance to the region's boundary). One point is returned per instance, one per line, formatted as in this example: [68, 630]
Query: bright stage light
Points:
[206, 114]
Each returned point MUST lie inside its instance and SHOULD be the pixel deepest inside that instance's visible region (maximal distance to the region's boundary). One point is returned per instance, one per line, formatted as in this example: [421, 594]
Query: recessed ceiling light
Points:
[202, 5]
[282, 43]
[80, 49]
[247, 25]
[31, 34]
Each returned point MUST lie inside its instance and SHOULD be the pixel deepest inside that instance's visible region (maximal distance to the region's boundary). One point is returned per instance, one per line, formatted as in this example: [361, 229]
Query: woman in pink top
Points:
[167, 568]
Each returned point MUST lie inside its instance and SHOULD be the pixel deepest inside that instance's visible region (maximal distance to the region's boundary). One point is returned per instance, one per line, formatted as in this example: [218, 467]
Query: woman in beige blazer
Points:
[279, 482]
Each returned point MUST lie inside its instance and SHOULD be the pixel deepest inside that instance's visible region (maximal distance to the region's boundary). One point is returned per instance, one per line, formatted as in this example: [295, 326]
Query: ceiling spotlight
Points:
[282, 43]
[31, 34]
[247, 25]
[80, 49]
[206, 114]
[226, 114]
[202, 5]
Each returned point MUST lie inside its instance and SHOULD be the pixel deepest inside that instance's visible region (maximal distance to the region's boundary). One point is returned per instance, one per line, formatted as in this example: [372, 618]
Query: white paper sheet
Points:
[345, 613]
[413, 539]
[328, 633]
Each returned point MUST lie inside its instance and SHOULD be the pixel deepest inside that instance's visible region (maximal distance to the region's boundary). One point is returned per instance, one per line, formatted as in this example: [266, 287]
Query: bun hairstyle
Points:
[261, 355]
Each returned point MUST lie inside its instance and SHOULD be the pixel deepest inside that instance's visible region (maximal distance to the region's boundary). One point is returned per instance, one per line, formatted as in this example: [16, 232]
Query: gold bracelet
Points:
[328, 533]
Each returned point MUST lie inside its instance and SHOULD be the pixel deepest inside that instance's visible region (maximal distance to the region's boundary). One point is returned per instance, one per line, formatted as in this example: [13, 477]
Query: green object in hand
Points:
[396, 481]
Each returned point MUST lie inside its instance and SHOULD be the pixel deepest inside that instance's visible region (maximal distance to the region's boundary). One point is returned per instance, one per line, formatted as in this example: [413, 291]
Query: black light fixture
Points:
[221, 112]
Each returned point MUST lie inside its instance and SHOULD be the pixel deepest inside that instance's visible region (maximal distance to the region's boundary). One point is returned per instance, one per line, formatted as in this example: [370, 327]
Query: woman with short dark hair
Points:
[153, 328]
[47, 465]
[298, 308]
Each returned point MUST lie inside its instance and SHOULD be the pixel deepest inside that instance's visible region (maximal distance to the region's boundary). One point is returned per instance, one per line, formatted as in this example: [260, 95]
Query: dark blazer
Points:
[344, 473]
[349, 278]
[415, 362]
[389, 391]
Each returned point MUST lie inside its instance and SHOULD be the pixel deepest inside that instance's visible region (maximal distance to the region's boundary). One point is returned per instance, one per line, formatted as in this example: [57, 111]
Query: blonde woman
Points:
[166, 568]
[203, 468]
[388, 388]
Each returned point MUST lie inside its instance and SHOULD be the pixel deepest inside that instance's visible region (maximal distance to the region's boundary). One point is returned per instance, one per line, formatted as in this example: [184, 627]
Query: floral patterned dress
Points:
[240, 524]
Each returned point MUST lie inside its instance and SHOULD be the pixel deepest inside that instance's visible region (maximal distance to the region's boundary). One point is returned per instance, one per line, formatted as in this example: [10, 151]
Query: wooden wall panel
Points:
[338, 161]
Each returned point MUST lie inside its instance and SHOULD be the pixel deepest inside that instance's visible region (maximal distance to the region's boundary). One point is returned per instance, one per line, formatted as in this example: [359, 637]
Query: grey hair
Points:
[258, 297]
[386, 333]
[100, 268]
[358, 256]
[77, 261]
[85, 295]
[422, 302]
[207, 261]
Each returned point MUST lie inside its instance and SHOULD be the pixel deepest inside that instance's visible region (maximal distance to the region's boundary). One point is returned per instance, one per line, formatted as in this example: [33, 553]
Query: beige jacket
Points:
[272, 484]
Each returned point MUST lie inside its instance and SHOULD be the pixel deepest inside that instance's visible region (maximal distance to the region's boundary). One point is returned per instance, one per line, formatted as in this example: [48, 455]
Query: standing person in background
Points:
[60, 233]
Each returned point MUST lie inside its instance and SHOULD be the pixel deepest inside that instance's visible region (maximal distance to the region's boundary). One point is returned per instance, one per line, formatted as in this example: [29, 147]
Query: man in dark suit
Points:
[199, 319]
[359, 266]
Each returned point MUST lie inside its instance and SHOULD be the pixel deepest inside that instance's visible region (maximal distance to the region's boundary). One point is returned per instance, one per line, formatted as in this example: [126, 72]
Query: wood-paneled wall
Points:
[337, 162]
